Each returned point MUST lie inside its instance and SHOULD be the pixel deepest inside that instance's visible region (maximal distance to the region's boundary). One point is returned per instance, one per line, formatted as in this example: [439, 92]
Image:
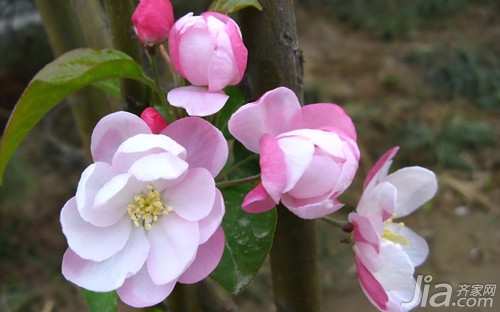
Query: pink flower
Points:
[387, 252]
[308, 155]
[152, 21]
[146, 214]
[154, 120]
[209, 52]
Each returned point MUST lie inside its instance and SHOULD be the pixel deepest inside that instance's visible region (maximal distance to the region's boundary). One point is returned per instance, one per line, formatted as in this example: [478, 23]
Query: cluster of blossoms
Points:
[147, 213]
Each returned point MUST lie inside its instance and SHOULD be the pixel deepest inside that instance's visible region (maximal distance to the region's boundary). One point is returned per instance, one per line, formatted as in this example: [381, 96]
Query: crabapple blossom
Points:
[146, 213]
[308, 155]
[152, 21]
[388, 252]
[208, 51]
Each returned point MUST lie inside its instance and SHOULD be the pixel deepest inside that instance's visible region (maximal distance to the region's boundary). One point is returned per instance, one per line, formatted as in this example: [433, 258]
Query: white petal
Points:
[109, 274]
[166, 166]
[415, 185]
[92, 242]
[174, 242]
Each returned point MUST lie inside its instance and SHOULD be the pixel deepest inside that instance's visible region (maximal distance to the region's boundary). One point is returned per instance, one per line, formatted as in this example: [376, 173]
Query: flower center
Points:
[146, 207]
[393, 237]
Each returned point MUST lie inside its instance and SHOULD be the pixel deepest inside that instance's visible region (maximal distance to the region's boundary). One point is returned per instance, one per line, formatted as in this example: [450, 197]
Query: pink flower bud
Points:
[154, 120]
[152, 21]
[208, 50]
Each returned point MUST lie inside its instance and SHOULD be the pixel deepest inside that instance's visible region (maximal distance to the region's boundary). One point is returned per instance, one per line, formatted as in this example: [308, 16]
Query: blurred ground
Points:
[434, 90]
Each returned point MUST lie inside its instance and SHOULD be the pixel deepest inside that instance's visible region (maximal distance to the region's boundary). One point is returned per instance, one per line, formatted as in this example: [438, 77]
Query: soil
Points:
[370, 78]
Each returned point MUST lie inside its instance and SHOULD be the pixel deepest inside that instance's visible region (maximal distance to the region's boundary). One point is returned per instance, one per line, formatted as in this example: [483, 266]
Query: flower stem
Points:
[247, 180]
[151, 52]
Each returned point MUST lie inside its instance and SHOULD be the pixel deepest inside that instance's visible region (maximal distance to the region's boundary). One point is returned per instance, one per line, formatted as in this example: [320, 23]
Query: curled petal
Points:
[108, 274]
[142, 145]
[273, 167]
[148, 169]
[276, 112]
[258, 200]
[197, 101]
[111, 131]
[415, 186]
[210, 223]
[328, 116]
[381, 167]
[92, 242]
[314, 210]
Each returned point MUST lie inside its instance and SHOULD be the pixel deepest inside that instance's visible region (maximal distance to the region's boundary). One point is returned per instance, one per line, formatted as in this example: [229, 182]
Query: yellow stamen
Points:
[146, 208]
[393, 237]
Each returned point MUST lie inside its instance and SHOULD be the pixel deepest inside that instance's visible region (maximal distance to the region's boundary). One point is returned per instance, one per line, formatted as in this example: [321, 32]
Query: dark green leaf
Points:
[235, 101]
[248, 241]
[65, 75]
[230, 6]
[101, 302]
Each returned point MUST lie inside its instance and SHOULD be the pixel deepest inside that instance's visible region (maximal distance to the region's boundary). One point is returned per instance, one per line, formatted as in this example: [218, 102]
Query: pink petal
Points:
[328, 116]
[96, 177]
[319, 178]
[207, 259]
[239, 50]
[276, 112]
[258, 200]
[368, 255]
[196, 50]
[174, 242]
[205, 145]
[142, 145]
[381, 167]
[415, 186]
[273, 167]
[140, 291]
[92, 242]
[378, 202]
[371, 287]
[197, 101]
[193, 197]
[298, 152]
[365, 231]
[111, 131]
[223, 68]
[315, 210]
[210, 223]
[108, 274]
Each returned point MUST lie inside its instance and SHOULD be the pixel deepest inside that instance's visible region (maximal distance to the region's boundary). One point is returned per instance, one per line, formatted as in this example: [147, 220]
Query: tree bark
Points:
[275, 60]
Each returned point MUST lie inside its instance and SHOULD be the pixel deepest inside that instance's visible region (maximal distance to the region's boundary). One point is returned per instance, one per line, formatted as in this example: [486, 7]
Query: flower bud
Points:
[152, 21]
[154, 120]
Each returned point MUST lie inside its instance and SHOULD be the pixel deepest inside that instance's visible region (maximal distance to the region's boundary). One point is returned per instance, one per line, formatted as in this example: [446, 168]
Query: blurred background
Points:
[421, 74]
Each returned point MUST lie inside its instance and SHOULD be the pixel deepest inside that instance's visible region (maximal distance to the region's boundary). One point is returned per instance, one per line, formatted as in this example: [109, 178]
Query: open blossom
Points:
[152, 21]
[208, 51]
[388, 252]
[308, 155]
[146, 213]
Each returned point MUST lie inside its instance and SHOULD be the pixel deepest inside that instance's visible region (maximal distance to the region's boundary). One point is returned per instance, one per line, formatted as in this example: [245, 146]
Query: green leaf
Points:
[101, 302]
[235, 101]
[65, 75]
[248, 241]
[110, 86]
[230, 6]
